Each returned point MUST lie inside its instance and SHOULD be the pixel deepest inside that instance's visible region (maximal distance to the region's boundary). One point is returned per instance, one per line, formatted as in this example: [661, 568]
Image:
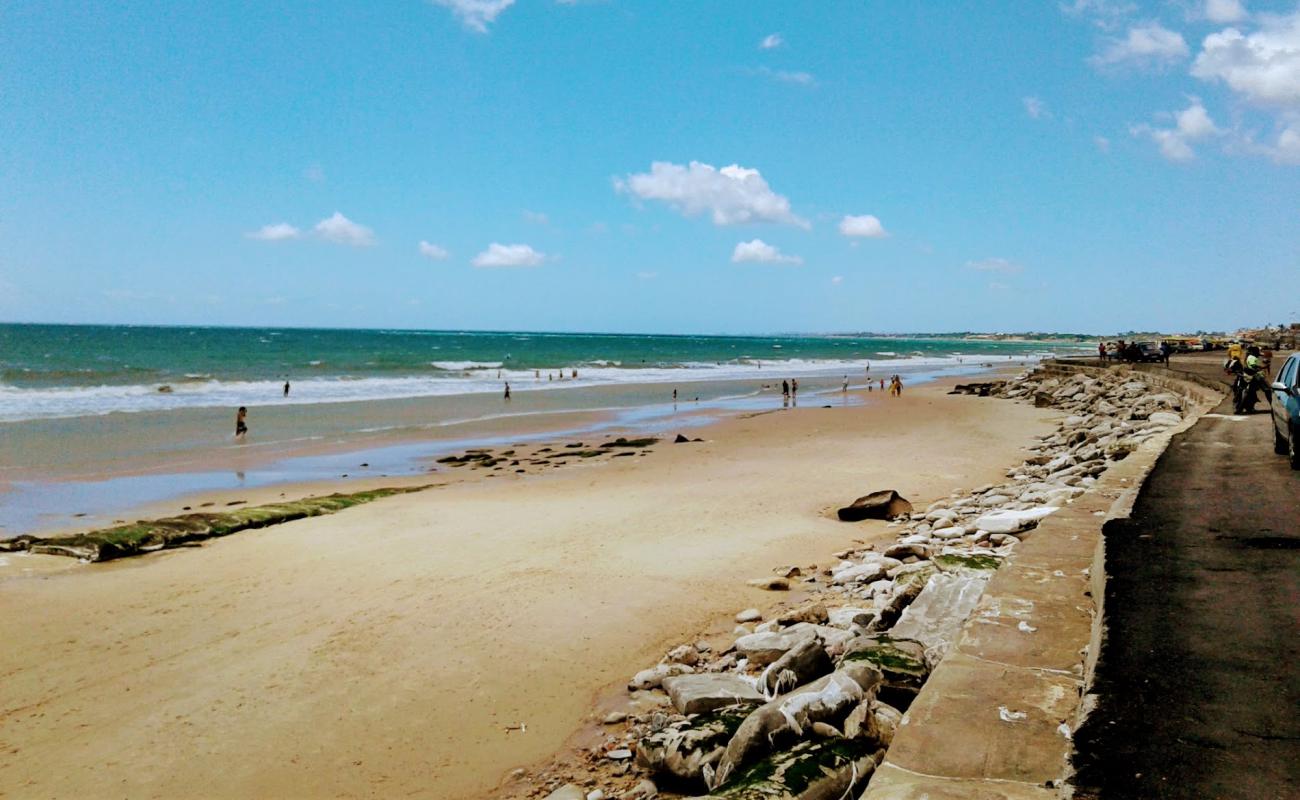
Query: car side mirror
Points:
[1279, 386]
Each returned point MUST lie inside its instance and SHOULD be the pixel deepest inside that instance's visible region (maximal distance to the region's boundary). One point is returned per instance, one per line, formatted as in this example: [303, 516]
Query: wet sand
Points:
[386, 650]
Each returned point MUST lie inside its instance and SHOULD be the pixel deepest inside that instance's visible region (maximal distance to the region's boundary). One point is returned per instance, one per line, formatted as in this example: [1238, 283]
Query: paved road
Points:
[1199, 677]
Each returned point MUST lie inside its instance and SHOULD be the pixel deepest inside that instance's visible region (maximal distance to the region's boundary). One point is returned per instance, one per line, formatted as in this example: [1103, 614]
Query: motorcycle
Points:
[1246, 387]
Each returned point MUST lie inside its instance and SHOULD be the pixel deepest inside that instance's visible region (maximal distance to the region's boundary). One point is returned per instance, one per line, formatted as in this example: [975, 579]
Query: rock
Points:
[1164, 418]
[800, 664]
[653, 678]
[902, 662]
[901, 551]
[763, 648]
[888, 720]
[1013, 521]
[596, 794]
[696, 694]
[968, 563]
[681, 752]
[937, 614]
[887, 504]
[823, 769]
[749, 615]
[567, 792]
[955, 532]
[770, 584]
[861, 722]
[614, 718]
[994, 500]
[813, 613]
[681, 440]
[848, 616]
[859, 573]
[683, 654]
[621, 754]
[824, 731]
[644, 790]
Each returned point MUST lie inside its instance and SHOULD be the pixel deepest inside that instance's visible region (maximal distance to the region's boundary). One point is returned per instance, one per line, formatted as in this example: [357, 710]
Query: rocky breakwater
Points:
[805, 704]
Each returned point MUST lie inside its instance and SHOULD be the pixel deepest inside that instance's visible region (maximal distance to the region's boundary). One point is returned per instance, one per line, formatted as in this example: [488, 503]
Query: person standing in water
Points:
[286, 387]
[785, 390]
[507, 390]
[794, 388]
[845, 387]
[674, 395]
[241, 422]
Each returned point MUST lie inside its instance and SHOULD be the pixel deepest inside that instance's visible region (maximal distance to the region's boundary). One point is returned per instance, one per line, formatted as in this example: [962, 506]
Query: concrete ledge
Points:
[996, 717]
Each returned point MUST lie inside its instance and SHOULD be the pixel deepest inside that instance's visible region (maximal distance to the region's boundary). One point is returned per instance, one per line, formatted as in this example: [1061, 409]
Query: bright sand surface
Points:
[384, 651]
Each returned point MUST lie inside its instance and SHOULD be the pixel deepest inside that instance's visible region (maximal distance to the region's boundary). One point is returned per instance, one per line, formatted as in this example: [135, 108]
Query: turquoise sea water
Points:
[61, 371]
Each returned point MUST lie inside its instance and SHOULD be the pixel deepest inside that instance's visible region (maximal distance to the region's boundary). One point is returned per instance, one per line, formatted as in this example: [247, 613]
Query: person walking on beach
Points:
[845, 387]
[896, 386]
[674, 396]
[1101, 350]
[785, 390]
[794, 388]
[241, 422]
[286, 387]
[507, 390]
[882, 384]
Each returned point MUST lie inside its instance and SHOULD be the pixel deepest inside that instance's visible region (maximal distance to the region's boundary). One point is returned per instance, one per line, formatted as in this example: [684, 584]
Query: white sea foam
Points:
[456, 378]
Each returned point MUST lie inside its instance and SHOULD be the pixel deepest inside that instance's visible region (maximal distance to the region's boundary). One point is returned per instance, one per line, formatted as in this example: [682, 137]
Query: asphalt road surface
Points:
[1199, 675]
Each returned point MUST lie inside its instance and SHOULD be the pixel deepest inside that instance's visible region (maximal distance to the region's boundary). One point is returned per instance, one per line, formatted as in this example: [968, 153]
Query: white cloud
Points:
[536, 217]
[1190, 125]
[341, 230]
[995, 265]
[771, 41]
[732, 195]
[1225, 11]
[476, 14]
[785, 76]
[1103, 144]
[758, 251]
[433, 251]
[837, 280]
[508, 255]
[1287, 150]
[1036, 108]
[865, 225]
[1105, 14]
[1149, 44]
[276, 232]
[1263, 67]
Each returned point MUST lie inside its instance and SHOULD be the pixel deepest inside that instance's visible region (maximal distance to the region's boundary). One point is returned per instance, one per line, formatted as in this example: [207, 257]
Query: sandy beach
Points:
[389, 649]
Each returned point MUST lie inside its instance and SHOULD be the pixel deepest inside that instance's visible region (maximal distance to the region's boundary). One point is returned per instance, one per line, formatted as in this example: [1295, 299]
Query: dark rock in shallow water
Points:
[681, 439]
[886, 504]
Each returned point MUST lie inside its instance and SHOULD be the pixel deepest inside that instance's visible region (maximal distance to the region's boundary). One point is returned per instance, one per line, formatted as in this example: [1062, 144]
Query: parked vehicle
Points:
[1149, 351]
[1286, 411]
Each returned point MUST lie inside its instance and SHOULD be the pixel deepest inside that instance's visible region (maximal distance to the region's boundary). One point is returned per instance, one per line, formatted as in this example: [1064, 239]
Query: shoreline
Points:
[410, 633]
[138, 472]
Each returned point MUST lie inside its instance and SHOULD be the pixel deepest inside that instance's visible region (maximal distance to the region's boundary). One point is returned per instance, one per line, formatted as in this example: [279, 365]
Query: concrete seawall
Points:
[996, 717]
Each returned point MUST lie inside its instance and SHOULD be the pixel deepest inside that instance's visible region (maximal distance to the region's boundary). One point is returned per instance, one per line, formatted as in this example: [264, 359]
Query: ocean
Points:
[51, 371]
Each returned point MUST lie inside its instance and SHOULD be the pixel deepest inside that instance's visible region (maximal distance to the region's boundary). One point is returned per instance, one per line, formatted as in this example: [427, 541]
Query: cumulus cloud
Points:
[475, 14]
[341, 230]
[771, 41]
[276, 232]
[865, 225]
[433, 251]
[1224, 11]
[733, 195]
[1001, 265]
[1036, 108]
[758, 251]
[1147, 45]
[1105, 14]
[1190, 125]
[1263, 66]
[1103, 144]
[508, 255]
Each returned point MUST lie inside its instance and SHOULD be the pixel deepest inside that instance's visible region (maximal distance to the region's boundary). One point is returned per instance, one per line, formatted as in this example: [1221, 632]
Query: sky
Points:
[639, 166]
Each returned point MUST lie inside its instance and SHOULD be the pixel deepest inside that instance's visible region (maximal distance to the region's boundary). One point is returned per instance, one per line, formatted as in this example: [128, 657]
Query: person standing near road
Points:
[1164, 353]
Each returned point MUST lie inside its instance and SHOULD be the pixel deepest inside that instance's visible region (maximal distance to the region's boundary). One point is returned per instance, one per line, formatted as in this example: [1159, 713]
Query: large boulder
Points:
[887, 504]
[902, 662]
[824, 769]
[679, 753]
[763, 648]
[801, 664]
[696, 694]
[937, 614]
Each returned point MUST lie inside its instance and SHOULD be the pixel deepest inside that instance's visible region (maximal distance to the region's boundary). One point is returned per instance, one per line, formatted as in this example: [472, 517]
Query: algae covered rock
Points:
[901, 662]
[678, 754]
[824, 769]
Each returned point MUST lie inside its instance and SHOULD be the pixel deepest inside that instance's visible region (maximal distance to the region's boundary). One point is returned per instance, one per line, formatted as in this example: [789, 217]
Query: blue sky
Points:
[1093, 165]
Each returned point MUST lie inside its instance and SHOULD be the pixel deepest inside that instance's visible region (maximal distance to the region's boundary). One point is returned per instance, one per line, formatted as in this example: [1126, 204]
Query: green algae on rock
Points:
[811, 770]
[147, 536]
